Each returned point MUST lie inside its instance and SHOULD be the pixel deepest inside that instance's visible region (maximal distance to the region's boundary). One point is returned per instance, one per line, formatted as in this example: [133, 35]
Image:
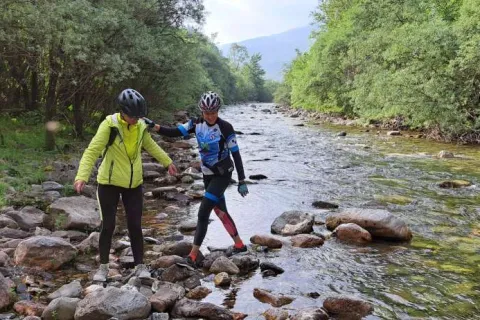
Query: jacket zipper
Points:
[110, 172]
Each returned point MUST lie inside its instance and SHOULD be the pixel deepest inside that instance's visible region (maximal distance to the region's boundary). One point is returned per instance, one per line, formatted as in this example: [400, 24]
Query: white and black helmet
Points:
[209, 102]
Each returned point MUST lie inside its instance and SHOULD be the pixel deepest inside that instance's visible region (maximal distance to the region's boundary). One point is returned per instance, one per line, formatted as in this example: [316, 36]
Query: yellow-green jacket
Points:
[117, 167]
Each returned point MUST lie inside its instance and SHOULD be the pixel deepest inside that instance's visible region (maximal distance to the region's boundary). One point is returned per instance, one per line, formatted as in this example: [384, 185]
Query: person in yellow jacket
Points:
[121, 173]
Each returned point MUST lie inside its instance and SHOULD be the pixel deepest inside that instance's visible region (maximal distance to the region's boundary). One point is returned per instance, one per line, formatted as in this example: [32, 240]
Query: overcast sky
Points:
[237, 20]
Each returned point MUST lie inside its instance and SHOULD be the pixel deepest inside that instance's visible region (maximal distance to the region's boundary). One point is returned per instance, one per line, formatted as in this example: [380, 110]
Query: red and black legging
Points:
[132, 199]
[214, 199]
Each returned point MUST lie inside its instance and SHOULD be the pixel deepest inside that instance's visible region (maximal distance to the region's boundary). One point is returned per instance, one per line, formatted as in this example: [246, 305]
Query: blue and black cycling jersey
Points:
[215, 143]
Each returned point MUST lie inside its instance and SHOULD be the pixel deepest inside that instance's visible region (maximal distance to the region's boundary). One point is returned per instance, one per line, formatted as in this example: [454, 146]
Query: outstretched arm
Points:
[182, 130]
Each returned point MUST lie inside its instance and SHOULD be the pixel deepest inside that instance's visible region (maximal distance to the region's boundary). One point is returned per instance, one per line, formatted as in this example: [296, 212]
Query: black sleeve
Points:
[231, 140]
[169, 132]
[182, 130]
[237, 158]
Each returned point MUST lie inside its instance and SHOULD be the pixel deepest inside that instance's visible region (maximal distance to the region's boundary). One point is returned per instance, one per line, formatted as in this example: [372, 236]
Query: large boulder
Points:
[47, 253]
[380, 223]
[293, 222]
[80, 213]
[103, 304]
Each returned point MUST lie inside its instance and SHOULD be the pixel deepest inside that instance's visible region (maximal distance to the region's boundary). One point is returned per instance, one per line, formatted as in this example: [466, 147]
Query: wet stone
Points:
[324, 205]
[258, 177]
[198, 293]
[271, 266]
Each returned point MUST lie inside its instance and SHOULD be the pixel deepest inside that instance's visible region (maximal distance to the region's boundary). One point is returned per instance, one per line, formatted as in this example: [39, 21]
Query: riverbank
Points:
[396, 124]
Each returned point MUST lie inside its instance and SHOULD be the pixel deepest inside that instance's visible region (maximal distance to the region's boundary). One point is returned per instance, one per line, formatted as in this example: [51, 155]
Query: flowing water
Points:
[436, 276]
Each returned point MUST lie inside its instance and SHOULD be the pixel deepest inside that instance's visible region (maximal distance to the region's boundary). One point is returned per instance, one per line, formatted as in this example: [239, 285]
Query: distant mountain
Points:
[277, 50]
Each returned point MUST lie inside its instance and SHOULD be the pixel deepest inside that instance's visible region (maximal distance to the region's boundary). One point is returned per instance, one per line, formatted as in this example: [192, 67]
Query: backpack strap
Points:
[113, 134]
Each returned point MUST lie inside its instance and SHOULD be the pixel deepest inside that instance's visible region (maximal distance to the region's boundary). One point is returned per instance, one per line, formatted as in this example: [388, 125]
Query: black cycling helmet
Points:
[132, 103]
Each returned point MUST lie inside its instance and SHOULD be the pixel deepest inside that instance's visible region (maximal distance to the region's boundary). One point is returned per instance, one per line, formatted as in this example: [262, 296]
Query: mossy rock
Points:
[454, 184]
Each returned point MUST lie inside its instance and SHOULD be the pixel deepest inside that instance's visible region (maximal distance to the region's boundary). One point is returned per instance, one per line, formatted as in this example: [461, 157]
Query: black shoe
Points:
[188, 263]
[234, 250]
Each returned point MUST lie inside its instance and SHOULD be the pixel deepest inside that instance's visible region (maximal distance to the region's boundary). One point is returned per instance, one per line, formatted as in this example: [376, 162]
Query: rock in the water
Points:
[245, 263]
[266, 241]
[394, 133]
[293, 222]
[276, 314]
[351, 232]
[306, 241]
[380, 223]
[445, 154]
[267, 297]
[271, 266]
[345, 305]
[324, 205]
[222, 279]
[454, 184]
[223, 264]
[258, 177]
[198, 293]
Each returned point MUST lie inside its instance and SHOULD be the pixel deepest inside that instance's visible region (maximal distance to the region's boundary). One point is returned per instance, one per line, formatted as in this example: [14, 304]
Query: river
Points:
[436, 276]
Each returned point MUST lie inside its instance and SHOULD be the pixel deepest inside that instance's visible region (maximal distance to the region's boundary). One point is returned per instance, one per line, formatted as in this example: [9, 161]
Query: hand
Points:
[78, 186]
[242, 188]
[149, 122]
[172, 170]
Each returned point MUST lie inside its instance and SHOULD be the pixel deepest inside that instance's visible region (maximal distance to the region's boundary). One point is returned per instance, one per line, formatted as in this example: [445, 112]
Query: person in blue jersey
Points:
[216, 141]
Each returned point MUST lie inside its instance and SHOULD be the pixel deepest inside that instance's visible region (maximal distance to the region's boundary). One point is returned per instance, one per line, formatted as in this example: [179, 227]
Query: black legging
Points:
[132, 199]
[215, 187]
